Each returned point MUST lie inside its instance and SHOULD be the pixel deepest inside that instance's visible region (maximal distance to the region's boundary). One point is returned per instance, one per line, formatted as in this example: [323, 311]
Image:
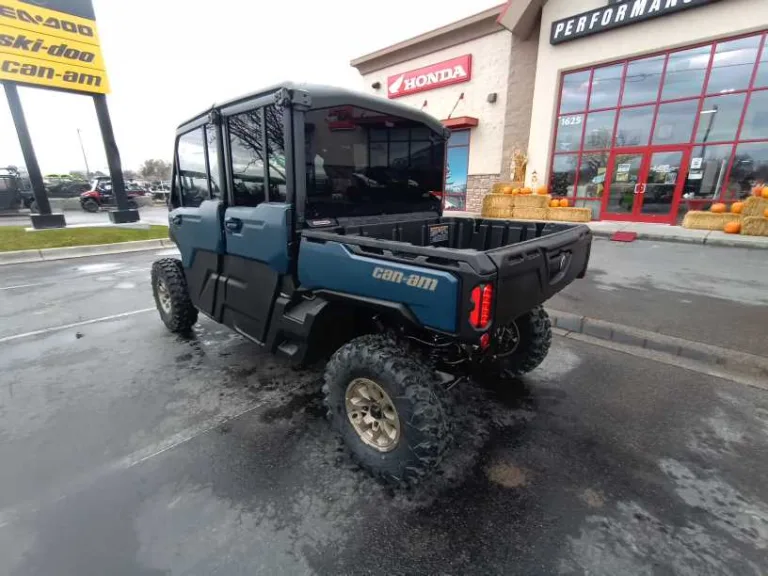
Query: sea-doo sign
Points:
[453, 71]
[616, 15]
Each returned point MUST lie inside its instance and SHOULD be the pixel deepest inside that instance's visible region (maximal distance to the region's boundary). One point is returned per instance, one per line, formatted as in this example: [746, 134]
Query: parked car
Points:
[10, 190]
[367, 272]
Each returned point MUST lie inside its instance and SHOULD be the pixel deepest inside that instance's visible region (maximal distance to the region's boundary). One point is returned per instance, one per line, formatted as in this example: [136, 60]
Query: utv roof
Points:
[322, 96]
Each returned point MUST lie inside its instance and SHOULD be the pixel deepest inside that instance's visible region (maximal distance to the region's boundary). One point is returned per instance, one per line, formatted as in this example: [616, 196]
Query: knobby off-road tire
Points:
[90, 205]
[169, 287]
[535, 338]
[423, 425]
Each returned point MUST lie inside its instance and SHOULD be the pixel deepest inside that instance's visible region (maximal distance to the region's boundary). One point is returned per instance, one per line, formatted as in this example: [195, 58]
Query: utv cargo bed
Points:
[531, 261]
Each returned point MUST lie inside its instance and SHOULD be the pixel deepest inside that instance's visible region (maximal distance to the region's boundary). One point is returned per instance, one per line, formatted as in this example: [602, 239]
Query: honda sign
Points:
[453, 71]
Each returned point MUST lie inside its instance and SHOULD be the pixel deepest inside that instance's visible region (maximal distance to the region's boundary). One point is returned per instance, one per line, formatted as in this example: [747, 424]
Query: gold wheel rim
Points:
[164, 296]
[372, 414]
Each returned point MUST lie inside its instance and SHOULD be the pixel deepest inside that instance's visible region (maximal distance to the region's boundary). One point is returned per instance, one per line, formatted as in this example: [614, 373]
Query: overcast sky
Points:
[167, 61]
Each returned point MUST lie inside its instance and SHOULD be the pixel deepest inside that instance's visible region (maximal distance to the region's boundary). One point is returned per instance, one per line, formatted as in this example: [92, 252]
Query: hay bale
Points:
[497, 206]
[754, 206]
[505, 213]
[570, 214]
[700, 220]
[754, 226]
[496, 188]
[531, 201]
[527, 213]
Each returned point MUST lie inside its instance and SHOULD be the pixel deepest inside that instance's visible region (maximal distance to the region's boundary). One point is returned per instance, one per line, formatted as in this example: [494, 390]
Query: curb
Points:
[730, 360]
[49, 254]
[704, 237]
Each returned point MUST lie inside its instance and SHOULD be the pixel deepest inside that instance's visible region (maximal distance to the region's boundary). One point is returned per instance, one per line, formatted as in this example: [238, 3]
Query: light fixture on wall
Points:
[376, 85]
[491, 98]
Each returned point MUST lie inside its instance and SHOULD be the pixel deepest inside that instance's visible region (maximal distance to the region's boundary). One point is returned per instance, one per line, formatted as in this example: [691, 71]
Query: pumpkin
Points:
[718, 208]
[507, 189]
[732, 228]
[765, 213]
[516, 191]
[554, 203]
[563, 202]
[737, 207]
[765, 191]
[757, 191]
[527, 191]
[542, 190]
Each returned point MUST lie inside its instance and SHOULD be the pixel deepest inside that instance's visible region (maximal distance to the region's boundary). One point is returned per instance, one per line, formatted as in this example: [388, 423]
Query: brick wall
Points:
[478, 185]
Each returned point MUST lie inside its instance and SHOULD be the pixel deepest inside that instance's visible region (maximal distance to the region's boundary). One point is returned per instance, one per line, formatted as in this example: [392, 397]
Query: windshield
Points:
[362, 163]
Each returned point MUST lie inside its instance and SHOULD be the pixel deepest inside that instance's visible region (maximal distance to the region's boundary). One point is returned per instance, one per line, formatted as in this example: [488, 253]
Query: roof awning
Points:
[460, 122]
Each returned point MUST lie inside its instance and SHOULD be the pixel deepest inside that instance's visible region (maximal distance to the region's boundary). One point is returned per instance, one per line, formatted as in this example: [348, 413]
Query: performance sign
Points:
[615, 15]
[51, 43]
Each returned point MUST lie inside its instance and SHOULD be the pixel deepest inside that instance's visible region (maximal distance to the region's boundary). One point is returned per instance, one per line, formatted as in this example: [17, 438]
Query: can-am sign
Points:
[616, 15]
[453, 71]
[53, 44]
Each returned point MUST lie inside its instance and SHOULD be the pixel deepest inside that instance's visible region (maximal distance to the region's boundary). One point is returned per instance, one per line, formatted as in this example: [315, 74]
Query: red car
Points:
[101, 195]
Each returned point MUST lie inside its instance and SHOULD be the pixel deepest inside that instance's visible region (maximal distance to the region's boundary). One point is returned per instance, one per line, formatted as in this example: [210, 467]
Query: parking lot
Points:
[128, 450]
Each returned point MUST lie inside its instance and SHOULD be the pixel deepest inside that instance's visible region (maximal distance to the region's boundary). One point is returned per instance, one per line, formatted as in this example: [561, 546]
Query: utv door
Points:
[196, 218]
[257, 222]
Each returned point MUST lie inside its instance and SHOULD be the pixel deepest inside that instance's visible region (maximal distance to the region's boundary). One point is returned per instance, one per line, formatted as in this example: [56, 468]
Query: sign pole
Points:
[124, 213]
[44, 219]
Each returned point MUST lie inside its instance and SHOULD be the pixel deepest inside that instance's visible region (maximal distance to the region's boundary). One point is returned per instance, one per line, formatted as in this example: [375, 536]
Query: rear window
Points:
[361, 162]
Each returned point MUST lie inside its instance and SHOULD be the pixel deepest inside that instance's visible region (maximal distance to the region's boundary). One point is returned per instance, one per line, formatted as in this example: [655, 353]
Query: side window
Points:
[192, 177]
[213, 160]
[276, 152]
[247, 149]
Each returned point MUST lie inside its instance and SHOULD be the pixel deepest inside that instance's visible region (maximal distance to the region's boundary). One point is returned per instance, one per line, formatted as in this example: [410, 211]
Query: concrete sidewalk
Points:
[664, 233]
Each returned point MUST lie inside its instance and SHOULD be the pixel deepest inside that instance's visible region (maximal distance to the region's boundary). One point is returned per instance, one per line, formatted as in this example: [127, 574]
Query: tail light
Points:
[482, 300]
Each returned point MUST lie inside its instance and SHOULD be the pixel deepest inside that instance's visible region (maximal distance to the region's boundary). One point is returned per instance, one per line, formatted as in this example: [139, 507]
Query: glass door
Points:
[645, 185]
[624, 173]
[664, 179]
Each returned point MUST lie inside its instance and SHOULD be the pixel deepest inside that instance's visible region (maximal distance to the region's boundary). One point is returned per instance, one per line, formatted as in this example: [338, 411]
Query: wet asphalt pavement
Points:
[713, 295]
[127, 450]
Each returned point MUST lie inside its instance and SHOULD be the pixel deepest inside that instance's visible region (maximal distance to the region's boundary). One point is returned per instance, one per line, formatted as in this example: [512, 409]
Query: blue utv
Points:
[309, 220]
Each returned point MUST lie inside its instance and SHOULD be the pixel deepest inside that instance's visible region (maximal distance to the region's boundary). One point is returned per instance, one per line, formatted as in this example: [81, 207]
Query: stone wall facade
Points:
[478, 185]
[520, 85]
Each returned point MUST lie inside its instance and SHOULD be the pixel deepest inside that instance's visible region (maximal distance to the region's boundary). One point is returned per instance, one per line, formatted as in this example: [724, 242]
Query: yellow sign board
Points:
[52, 43]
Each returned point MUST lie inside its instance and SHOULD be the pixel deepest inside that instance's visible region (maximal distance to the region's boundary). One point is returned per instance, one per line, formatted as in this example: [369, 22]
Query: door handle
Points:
[176, 220]
[233, 224]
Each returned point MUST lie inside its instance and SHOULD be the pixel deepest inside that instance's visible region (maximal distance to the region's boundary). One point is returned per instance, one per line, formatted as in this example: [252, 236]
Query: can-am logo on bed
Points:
[453, 71]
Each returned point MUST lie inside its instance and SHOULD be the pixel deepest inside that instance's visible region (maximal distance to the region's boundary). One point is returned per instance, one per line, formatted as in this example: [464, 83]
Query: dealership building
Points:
[639, 109]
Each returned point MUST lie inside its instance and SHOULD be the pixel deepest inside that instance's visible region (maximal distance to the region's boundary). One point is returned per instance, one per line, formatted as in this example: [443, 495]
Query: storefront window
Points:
[756, 120]
[457, 171]
[642, 81]
[750, 166]
[606, 84]
[599, 130]
[563, 174]
[634, 126]
[592, 175]
[685, 73]
[719, 118]
[733, 65]
[631, 119]
[674, 122]
[569, 130]
[574, 94]
[761, 80]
